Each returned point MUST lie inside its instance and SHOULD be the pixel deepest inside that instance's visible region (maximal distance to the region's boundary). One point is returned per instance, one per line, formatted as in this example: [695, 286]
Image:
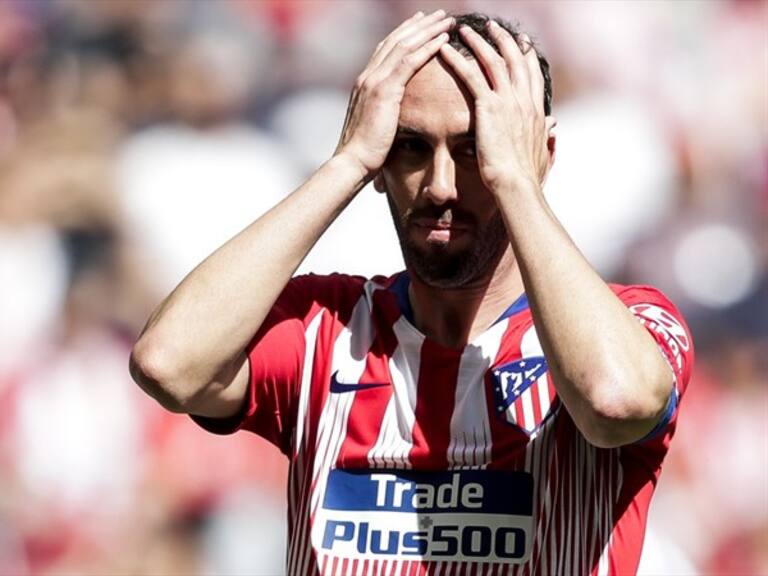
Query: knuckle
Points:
[378, 90]
[406, 61]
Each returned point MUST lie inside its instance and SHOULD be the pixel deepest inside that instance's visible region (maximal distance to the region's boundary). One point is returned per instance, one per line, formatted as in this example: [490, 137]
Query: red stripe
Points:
[536, 404]
[435, 399]
[508, 442]
[369, 406]
[334, 566]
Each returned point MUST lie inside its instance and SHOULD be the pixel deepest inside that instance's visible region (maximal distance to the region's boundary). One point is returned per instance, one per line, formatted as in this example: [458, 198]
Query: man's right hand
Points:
[193, 354]
[374, 106]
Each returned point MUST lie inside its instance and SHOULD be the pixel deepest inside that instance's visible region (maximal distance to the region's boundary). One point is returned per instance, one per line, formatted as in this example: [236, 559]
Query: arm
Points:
[606, 368]
[191, 355]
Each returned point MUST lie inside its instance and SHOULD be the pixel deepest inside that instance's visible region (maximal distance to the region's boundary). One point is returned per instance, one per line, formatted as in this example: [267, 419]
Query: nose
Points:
[440, 180]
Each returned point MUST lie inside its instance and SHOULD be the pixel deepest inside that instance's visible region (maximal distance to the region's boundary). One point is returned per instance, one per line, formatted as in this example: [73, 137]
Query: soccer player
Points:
[496, 408]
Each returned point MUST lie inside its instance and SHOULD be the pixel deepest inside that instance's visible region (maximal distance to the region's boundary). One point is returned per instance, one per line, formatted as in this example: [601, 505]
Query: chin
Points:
[438, 267]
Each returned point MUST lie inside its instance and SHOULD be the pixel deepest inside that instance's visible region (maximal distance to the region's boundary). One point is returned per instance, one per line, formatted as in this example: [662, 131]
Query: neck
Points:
[454, 317]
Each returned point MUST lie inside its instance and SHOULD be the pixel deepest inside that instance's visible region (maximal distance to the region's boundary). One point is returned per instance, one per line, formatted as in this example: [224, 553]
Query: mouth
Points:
[440, 231]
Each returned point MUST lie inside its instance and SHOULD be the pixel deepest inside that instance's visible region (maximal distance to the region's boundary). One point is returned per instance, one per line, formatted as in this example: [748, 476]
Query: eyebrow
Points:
[408, 131]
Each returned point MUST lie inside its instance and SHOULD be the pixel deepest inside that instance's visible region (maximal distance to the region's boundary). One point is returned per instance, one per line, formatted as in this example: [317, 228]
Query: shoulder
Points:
[665, 323]
[334, 292]
[654, 310]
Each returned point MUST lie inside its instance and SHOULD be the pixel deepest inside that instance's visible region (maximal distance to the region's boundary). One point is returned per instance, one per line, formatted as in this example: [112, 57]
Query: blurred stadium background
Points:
[135, 136]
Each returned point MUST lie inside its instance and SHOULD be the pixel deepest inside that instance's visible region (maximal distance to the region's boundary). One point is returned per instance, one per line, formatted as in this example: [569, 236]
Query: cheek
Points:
[472, 192]
[402, 185]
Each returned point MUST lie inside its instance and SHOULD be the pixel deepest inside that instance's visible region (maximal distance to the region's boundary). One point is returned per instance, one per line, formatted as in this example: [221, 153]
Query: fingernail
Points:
[526, 43]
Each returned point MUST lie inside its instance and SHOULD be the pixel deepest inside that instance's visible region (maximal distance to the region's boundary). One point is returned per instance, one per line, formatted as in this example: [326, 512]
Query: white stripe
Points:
[395, 440]
[531, 346]
[470, 443]
[349, 353]
[529, 420]
[348, 362]
[604, 565]
[310, 338]
[544, 399]
[569, 518]
[553, 543]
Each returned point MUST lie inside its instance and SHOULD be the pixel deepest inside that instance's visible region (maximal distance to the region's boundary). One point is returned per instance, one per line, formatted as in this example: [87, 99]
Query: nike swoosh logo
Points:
[339, 387]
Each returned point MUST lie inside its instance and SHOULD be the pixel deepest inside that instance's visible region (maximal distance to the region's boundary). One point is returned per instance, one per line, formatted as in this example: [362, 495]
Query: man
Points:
[496, 406]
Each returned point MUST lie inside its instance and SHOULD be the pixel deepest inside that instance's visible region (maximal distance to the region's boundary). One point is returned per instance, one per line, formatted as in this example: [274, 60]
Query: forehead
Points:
[436, 102]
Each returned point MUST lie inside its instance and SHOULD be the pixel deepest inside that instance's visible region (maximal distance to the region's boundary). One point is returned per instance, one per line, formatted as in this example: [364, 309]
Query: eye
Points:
[466, 149]
[411, 145]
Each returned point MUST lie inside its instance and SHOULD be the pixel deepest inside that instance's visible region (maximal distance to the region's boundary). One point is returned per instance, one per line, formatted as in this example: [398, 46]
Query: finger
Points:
[413, 61]
[494, 65]
[536, 78]
[468, 72]
[402, 32]
[382, 48]
[403, 26]
[401, 54]
[511, 52]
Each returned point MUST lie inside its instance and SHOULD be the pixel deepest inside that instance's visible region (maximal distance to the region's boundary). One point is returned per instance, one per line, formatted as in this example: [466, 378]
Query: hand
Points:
[374, 106]
[511, 129]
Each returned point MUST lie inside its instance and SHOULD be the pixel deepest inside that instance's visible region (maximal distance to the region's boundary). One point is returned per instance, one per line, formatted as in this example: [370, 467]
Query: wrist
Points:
[351, 167]
[347, 158]
[518, 185]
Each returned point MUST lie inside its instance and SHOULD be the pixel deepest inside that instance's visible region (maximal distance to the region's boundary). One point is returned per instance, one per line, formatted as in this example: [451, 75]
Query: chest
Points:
[401, 401]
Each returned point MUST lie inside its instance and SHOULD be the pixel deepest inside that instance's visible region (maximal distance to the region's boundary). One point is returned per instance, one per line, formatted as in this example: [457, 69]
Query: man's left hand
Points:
[511, 129]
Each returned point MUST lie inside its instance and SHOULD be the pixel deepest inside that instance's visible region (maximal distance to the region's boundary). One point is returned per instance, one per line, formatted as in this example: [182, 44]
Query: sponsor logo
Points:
[478, 515]
[341, 387]
[665, 325]
[521, 392]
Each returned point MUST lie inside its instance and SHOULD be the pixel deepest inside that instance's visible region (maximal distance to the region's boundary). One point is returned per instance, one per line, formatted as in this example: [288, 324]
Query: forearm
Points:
[200, 331]
[605, 366]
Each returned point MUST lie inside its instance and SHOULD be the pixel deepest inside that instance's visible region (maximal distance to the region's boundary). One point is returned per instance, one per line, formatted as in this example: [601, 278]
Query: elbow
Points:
[623, 415]
[152, 367]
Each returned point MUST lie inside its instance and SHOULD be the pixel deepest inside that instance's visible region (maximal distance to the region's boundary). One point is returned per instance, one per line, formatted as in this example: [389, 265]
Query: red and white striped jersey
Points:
[407, 457]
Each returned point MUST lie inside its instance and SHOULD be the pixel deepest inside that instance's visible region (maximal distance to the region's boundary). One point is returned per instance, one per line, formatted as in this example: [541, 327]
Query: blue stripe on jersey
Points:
[400, 289]
[669, 412]
[517, 306]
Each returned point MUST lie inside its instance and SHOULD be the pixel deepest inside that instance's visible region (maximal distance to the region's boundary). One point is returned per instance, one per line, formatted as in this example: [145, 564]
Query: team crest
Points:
[522, 395]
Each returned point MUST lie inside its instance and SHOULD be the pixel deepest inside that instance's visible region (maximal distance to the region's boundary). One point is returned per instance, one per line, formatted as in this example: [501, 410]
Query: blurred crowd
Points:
[138, 135]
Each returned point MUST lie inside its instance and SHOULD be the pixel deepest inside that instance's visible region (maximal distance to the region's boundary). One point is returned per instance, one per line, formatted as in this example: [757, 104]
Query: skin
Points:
[462, 148]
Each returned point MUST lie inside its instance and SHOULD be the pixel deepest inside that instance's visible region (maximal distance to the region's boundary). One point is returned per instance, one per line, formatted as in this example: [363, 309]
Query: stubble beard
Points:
[441, 267]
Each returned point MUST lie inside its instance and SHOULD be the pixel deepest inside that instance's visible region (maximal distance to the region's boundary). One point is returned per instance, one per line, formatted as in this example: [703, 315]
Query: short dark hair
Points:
[478, 22]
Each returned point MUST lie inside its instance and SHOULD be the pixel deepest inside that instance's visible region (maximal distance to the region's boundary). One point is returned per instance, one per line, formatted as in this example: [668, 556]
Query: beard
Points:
[442, 266]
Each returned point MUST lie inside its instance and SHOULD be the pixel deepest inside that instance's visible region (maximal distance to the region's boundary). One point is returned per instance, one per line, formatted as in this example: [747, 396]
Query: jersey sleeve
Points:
[666, 325]
[276, 360]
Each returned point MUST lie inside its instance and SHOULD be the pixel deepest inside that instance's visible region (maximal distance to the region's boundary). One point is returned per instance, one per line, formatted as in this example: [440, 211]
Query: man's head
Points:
[450, 229]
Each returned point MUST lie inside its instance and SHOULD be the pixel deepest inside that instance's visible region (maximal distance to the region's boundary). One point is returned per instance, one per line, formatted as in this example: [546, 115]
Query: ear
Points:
[550, 122]
[378, 182]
